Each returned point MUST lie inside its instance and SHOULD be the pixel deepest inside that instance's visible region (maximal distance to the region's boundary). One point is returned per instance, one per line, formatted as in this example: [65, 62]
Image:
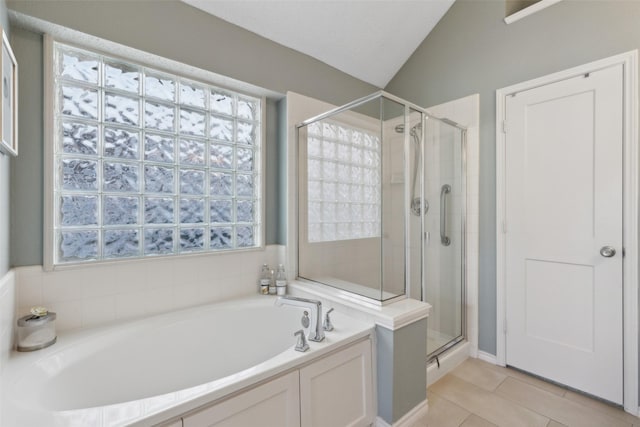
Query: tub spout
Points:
[316, 332]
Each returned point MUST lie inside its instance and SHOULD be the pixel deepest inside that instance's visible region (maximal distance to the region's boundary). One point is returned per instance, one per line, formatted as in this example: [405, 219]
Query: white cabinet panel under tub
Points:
[338, 389]
[276, 403]
[334, 391]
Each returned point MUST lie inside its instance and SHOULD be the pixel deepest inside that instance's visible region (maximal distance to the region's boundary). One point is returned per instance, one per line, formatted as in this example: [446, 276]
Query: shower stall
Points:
[381, 208]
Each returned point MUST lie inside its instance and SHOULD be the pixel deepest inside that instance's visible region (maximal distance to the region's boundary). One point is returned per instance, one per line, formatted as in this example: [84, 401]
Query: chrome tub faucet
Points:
[316, 331]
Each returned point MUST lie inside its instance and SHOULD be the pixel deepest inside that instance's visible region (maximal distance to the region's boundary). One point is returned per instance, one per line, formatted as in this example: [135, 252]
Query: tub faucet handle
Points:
[328, 326]
[305, 320]
[302, 341]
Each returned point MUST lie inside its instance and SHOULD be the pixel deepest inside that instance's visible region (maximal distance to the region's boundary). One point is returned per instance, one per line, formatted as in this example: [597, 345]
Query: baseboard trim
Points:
[487, 357]
[409, 419]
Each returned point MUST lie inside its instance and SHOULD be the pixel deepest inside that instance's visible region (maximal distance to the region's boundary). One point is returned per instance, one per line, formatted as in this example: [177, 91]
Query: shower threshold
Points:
[438, 343]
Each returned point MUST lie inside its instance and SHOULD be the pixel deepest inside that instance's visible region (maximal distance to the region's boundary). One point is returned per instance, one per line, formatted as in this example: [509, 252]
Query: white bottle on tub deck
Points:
[281, 281]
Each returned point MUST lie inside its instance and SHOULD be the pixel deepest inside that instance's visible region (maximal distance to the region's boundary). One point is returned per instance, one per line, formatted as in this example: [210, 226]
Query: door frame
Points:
[629, 61]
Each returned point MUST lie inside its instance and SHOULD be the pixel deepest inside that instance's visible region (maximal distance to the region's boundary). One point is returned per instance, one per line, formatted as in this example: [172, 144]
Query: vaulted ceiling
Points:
[368, 39]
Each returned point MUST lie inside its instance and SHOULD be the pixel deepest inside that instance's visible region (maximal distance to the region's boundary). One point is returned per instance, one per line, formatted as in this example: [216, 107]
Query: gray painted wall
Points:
[400, 361]
[472, 50]
[27, 174]
[176, 31]
[409, 368]
[282, 171]
[384, 372]
[272, 209]
[5, 179]
[4, 213]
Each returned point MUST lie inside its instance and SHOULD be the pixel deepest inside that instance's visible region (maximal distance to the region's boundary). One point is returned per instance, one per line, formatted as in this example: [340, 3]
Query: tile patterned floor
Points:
[479, 394]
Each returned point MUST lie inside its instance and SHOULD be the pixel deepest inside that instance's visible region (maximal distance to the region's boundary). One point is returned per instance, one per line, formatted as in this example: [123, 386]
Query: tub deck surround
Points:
[392, 316]
[147, 371]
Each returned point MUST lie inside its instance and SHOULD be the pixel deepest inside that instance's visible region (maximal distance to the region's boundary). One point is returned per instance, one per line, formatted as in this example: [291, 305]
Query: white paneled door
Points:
[563, 225]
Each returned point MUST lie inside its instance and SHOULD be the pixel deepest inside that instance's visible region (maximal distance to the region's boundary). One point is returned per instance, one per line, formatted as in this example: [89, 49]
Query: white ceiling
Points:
[368, 39]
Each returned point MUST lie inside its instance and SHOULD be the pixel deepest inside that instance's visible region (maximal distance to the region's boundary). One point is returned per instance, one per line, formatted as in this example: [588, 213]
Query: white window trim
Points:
[144, 59]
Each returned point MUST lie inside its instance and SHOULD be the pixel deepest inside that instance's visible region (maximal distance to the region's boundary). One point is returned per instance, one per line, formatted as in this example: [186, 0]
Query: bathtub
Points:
[148, 371]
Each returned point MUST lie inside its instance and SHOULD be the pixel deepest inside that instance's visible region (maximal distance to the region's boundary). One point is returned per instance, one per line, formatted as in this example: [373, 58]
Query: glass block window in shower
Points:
[148, 163]
[343, 176]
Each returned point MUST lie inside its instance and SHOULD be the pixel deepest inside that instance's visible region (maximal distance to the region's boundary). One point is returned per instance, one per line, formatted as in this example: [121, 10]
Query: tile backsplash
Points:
[96, 294]
[7, 316]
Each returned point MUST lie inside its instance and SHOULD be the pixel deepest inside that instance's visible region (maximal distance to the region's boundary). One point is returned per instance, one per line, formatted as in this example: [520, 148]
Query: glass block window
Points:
[343, 176]
[148, 163]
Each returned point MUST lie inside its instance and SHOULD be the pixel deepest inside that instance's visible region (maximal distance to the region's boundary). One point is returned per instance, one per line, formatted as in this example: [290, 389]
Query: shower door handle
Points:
[446, 189]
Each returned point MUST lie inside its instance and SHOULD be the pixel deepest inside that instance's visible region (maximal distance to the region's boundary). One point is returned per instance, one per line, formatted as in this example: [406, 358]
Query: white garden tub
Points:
[147, 371]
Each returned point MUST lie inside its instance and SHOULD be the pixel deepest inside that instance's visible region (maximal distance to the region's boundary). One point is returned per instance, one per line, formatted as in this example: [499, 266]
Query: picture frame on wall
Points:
[9, 99]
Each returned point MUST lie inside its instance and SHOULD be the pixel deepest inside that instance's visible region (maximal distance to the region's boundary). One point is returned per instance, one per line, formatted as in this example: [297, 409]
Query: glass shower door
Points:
[444, 245]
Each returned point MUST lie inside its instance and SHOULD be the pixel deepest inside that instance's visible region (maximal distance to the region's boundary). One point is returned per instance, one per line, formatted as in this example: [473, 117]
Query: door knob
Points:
[607, 251]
